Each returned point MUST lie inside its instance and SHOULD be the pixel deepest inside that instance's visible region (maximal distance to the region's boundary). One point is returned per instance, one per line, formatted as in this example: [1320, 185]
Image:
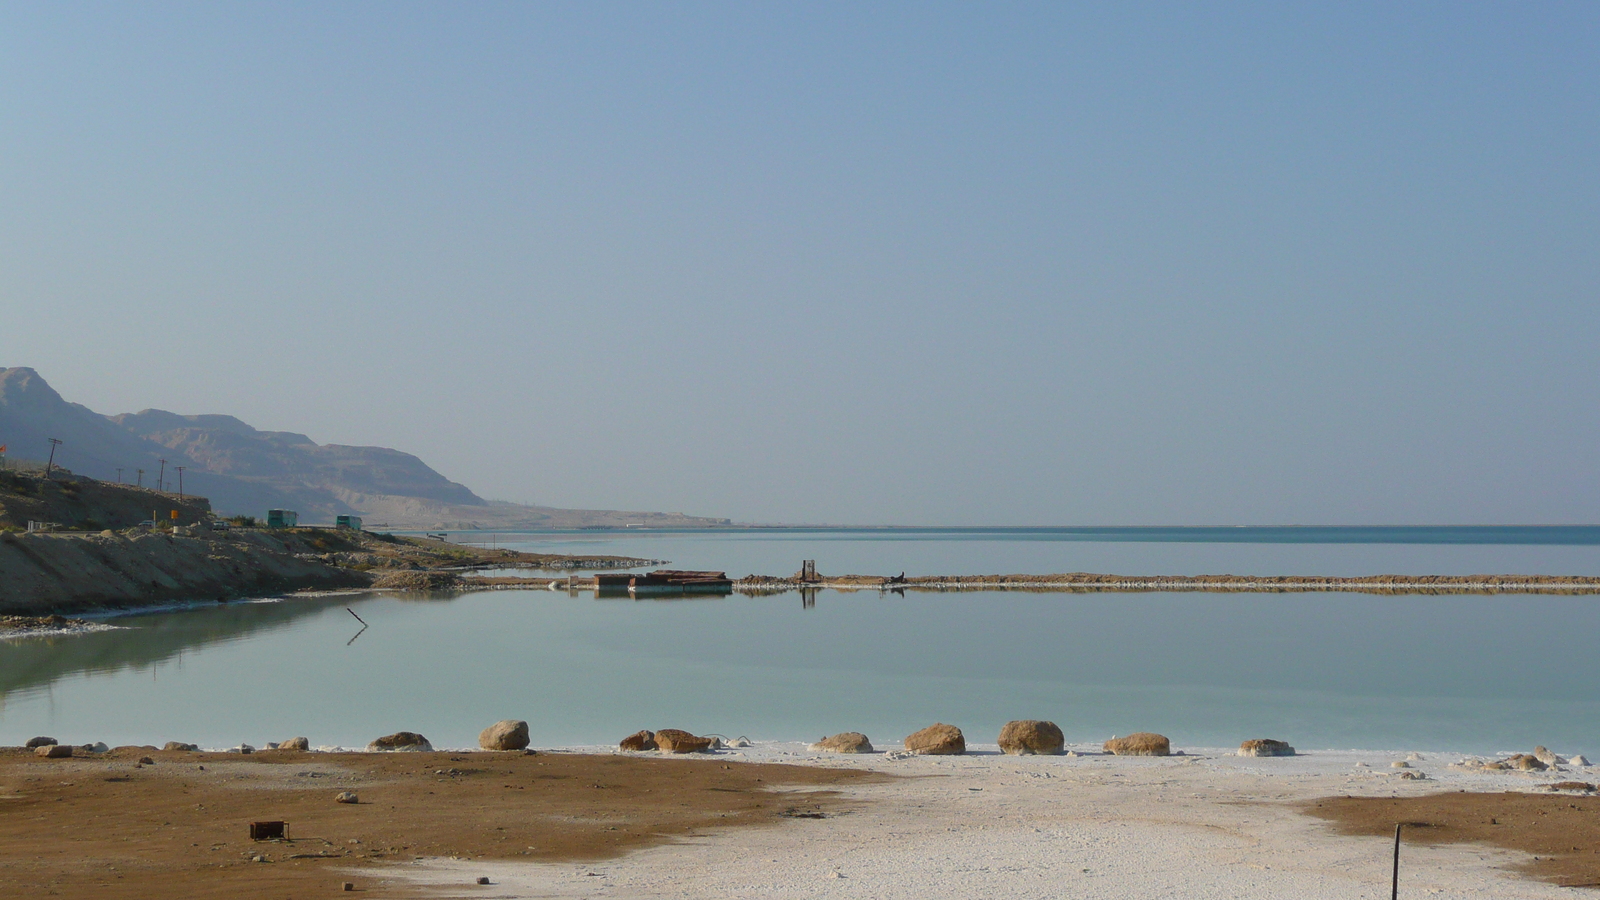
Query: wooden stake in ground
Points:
[1394, 882]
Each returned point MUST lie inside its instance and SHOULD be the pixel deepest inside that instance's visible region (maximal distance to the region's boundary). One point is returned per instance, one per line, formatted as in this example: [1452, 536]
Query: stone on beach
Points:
[401, 740]
[40, 741]
[1521, 762]
[346, 797]
[54, 751]
[1545, 756]
[96, 747]
[937, 739]
[295, 743]
[1265, 747]
[1143, 743]
[676, 740]
[1032, 737]
[1578, 760]
[180, 746]
[639, 740]
[843, 742]
[507, 734]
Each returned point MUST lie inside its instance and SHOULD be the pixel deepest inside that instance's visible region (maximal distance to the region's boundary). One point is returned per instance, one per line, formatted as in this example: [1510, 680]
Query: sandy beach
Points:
[779, 820]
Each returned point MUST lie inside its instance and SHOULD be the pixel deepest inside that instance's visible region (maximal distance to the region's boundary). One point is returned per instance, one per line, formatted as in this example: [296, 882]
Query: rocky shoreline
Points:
[66, 573]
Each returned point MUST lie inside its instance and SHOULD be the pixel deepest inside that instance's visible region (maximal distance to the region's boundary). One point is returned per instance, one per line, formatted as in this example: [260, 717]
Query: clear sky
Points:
[849, 263]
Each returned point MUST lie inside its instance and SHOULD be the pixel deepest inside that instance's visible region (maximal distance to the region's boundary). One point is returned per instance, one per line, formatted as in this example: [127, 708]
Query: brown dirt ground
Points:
[1561, 831]
[107, 827]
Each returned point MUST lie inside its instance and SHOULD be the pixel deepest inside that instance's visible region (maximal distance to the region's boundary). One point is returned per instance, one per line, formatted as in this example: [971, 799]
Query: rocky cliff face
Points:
[51, 573]
[241, 469]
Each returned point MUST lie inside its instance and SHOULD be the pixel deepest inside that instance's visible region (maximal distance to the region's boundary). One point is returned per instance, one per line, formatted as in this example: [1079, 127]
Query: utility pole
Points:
[161, 480]
[141, 478]
[51, 464]
[119, 475]
[180, 481]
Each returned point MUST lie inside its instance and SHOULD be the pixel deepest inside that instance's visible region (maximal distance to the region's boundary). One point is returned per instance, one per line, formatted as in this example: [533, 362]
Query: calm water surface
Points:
[1471, 673]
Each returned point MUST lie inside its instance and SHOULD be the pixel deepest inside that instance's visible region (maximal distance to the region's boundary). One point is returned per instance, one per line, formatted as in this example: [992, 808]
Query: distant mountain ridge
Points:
[241, 469]
[245, 471]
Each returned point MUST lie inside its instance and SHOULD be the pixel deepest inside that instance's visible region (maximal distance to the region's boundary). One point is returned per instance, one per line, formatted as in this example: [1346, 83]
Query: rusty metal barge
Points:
[665, 581]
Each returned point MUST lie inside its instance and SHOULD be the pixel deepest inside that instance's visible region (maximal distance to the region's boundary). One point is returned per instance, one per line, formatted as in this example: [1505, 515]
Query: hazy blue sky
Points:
[916, 263]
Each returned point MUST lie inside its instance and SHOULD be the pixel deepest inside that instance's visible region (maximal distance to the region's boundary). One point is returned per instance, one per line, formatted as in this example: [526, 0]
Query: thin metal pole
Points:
[1394, 883]
[51, 464]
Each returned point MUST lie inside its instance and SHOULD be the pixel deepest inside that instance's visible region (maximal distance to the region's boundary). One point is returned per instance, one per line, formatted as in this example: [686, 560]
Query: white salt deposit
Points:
[1209, 824]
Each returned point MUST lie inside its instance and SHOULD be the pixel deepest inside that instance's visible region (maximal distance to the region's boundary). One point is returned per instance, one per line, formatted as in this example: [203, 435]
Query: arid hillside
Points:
[244, 471]
[81, 503]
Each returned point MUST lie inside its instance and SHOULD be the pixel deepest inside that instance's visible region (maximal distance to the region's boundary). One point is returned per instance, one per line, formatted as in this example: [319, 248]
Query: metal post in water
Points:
[1394, 882]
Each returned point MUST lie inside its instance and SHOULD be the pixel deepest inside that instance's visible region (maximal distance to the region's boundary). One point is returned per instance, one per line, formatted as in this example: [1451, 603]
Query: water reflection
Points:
[1456, 672]
[142, 642]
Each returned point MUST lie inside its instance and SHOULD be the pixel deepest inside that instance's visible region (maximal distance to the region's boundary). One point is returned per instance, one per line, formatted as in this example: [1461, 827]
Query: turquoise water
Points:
[1471, 673]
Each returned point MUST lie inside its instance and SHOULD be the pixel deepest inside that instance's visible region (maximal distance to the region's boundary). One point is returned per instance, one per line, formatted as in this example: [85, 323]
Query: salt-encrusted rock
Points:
[676, 740]
[1143, 743]
[1522, 762]
[507, 734]
[1265, 747]
[40, 741]
[180, 746]
[54, 751]
[843, 742]
[639, 740]
[402, 740]
[1414, 775]
[1570, 786]
[295, 743]
[1030, 737]
[346, 797]
[1399, 764]
[1545, 756]
[937, 739]
[1578, 760]
[96, 747]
